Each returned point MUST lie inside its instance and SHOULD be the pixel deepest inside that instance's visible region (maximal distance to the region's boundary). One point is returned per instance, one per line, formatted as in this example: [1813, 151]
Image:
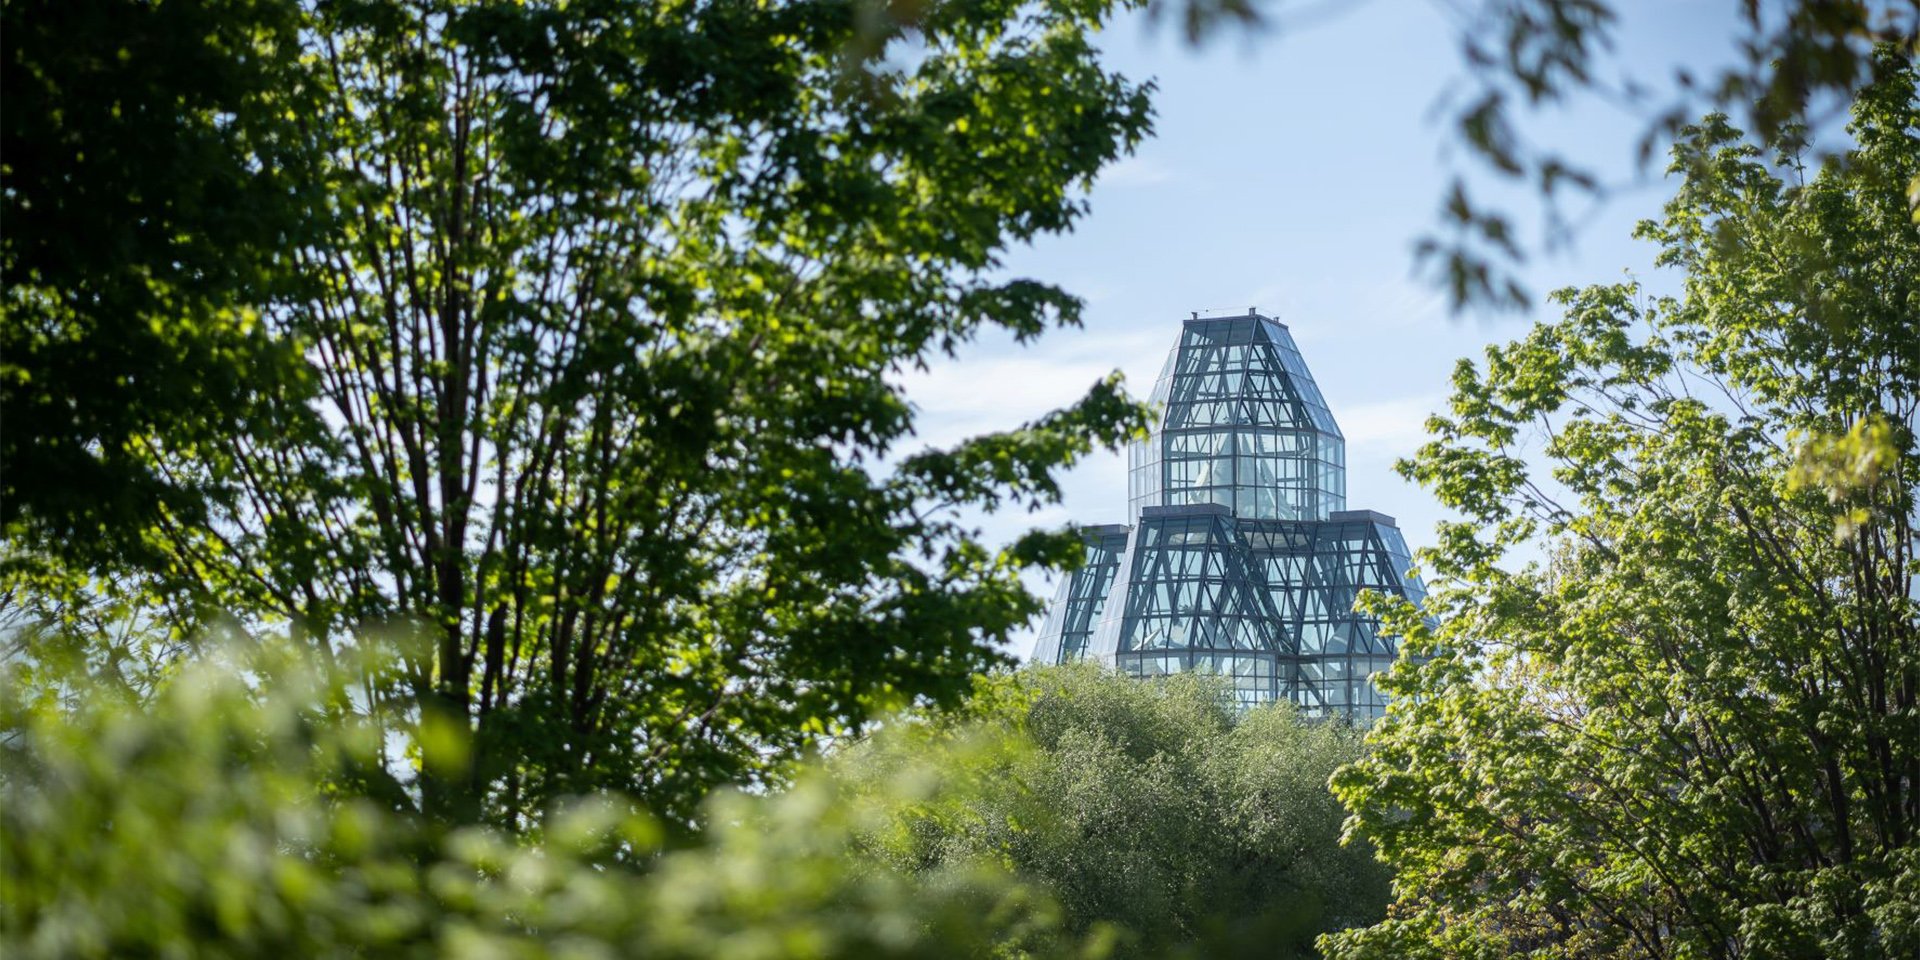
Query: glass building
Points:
[1241, 557]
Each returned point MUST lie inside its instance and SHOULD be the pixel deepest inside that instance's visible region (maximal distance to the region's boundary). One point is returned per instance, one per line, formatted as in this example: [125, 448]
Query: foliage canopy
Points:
[238, 830]
[153, 177]
[1065, 813]
[1696, 731]
[594, 333]
[1155, 813]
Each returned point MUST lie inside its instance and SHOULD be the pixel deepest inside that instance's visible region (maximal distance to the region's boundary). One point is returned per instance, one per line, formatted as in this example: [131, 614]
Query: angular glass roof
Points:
[1242, 558]
[1242, 424]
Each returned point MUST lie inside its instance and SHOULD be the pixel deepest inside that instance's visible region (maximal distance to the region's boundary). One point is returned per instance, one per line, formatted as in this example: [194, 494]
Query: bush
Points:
[1164, 820]
[224, 818]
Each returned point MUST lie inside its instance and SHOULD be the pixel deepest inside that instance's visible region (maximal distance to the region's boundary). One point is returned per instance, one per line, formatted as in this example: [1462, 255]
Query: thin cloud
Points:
[1136, 171]
[959, 399]
[1395, 426]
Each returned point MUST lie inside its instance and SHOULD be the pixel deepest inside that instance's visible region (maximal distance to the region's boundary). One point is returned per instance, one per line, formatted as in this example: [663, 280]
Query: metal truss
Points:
[1241, 559]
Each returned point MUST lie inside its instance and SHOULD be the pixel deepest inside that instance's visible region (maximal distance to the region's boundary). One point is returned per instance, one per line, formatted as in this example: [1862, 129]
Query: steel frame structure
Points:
[1241, 557]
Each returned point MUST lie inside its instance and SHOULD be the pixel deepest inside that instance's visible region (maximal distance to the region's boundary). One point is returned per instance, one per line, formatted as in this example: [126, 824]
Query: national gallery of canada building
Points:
[1241, 557]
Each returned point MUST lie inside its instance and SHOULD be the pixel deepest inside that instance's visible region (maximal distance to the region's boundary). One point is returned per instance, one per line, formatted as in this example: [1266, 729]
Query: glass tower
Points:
[1241, 557]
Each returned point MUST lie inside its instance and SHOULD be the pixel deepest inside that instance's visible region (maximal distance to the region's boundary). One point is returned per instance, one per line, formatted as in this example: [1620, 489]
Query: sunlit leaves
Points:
[599, 337]
[227, 816]
[1847, 468]
[1158, 814]
[1692, 729]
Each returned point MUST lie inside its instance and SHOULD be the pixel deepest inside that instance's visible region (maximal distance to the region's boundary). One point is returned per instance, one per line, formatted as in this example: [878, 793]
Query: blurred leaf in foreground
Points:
[219, 820]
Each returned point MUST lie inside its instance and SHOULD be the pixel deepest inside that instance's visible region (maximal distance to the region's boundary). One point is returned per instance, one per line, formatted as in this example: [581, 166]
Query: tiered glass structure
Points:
[1241, 558]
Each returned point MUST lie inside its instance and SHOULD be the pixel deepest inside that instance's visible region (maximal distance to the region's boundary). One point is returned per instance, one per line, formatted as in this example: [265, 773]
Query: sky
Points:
[1291, 171]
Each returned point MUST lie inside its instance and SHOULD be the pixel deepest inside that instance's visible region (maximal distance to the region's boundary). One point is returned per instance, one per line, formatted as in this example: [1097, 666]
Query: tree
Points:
[152, 179]
[595, 416]
[1155, 813]
[1696, 730]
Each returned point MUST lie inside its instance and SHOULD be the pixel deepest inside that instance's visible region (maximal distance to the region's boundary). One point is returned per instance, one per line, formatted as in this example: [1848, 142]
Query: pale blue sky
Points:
[1292, 172]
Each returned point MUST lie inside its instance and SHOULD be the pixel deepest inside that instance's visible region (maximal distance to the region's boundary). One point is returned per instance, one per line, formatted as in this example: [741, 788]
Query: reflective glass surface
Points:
[1070, 619]
[1242, 559]
[1242, 425]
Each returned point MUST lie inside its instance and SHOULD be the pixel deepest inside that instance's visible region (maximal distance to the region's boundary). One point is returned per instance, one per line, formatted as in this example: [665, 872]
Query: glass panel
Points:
[1263, 594]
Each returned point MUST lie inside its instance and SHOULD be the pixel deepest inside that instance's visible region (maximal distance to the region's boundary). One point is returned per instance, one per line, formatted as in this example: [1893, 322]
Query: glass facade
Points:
[1243, 426]
[1069, 621]
[1242, 558]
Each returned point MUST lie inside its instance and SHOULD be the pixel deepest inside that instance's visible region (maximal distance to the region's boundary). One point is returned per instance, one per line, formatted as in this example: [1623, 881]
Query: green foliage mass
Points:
[595, 327]
[222, 819]
[1695, 732]
[533, 365]
[152, 174]
[1065, 813]
[1163, 820]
